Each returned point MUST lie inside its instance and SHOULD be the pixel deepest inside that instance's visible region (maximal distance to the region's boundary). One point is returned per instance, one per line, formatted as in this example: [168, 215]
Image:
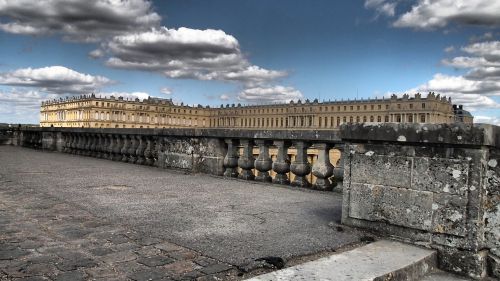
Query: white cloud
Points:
[224, 97]
[96, 54]
[17, 106]
[449, 49]
[487, 119]
[166, 91]
[54, 79]
[270, 94]
[382, 7]
[76, 20]
[125, 95]
[427, 14]
[187, 53]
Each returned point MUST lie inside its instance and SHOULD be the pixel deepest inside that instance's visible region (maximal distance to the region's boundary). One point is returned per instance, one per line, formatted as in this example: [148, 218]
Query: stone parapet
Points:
[433, 185]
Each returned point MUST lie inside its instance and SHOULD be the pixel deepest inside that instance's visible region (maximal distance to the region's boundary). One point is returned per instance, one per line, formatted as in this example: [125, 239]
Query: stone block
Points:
[466, 263]
[440, 175]
[398, 206]
[381, 170]
[494, 266]
[449, 214]
[179, 160]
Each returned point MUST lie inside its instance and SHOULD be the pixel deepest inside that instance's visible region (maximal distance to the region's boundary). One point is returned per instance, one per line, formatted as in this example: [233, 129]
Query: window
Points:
[423, 105]
[422, 117]
[372, 119]
[411, 105]
[379, 119]
[379, 106]
[386, 118]
[364, 119]
[410, 118]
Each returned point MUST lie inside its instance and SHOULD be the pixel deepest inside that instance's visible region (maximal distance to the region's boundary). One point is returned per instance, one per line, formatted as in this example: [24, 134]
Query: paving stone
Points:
[119, 257]
[148, 251]
[71, 276]
[179, 268]
[33, 278]
[150, 274]
[101, 272]
[128, 267]
[155, 260]
[101, 251]
[204, 261]
[73, 264]
[118, 239]
[41, 269]
[168, 247]
[147, 241]
[184, 254]
[12, 254]
[192, 275]
[215, 268]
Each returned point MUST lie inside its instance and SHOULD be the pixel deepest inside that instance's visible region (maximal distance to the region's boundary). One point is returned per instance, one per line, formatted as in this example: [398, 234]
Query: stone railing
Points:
[303, 159]
[432, 185]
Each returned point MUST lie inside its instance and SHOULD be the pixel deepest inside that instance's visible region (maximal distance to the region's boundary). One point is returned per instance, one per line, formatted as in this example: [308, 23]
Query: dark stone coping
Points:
[330, 136]
[449, 134]
[428, 134]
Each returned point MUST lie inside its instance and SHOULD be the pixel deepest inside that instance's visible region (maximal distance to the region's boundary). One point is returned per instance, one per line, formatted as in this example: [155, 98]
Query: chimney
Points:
[460, 107]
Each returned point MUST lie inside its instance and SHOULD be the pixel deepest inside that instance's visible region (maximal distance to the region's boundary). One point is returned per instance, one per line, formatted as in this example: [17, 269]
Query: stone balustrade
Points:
[278, 157]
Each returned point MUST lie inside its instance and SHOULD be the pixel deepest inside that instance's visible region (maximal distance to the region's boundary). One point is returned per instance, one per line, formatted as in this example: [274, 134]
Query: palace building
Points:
[90, 111]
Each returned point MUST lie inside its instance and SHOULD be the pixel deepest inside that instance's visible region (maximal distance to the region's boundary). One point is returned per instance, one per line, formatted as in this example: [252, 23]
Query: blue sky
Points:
[248, 51]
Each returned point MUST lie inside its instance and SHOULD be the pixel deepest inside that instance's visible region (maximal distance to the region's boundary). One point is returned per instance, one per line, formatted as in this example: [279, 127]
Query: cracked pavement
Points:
[67, 217]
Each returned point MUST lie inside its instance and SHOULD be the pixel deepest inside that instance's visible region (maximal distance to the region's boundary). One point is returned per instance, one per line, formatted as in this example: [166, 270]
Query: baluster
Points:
[86, 148]
[98, 146]
[148, 152]
[104, 146]
[231, 159]
[263, 163]
[140, 151]
[131, 151]
[157, 150]
[282, 164]
[92, 145]
[300, 167]
[111, 145]
[323, 169]
[74, 140]
[246, 160]
[67, 143]
[338, 172]
[124, 150]
[79, 144]
[117, 148]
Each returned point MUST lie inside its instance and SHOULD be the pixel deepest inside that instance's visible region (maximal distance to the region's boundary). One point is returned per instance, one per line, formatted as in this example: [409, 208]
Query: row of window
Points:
[308, 121]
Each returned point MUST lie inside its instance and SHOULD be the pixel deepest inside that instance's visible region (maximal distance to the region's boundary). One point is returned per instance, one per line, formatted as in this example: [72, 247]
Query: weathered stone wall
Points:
[433, 185]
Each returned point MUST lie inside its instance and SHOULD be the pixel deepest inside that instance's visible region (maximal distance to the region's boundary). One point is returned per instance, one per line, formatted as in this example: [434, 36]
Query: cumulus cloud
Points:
[54, 79]
[439, 13]
[75, 20]
[270, 94]
[187, 53]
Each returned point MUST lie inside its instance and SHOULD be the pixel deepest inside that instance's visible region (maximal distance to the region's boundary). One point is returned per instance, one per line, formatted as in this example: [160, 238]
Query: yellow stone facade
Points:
[90, 111]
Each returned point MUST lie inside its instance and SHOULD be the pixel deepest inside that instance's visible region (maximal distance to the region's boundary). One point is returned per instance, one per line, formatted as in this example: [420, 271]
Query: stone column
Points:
[282, 164]
[132, 158]
[124, 150]
[117, 148]
[104, 146]
[231, 159]
[301, 167]
[263, 163]
[140, 150]
[246, 160]
[323, 169]
[148, 152]
[158, 152]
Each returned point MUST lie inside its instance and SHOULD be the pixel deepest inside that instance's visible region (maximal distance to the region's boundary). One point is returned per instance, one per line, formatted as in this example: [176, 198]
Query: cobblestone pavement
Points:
[52, 230]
